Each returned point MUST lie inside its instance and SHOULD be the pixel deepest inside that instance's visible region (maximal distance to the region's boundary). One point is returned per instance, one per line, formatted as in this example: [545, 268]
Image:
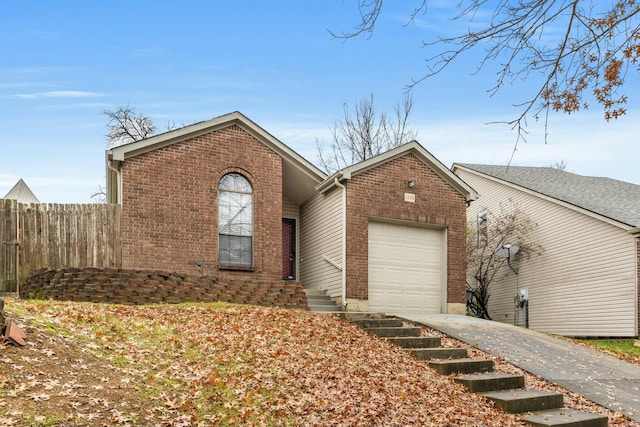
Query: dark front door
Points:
[288, 248]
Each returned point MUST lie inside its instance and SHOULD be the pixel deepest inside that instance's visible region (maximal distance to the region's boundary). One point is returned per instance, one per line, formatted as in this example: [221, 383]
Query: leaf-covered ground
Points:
[218, 364]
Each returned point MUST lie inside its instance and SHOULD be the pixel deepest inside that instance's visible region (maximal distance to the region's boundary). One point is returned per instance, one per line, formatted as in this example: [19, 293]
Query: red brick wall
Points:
[379, 192]
[170, 207]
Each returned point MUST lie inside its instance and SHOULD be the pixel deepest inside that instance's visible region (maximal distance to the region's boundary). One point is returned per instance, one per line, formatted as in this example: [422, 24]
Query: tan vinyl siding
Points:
[321, 238]
[583, 284]
[290, 209]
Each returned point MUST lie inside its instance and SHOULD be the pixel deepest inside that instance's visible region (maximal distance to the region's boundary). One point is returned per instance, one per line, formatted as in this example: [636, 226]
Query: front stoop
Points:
[566, 418]
[318, 301]
[518, 401]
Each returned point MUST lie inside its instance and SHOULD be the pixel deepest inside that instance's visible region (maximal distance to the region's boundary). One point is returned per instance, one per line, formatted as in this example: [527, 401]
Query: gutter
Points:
[329, 183]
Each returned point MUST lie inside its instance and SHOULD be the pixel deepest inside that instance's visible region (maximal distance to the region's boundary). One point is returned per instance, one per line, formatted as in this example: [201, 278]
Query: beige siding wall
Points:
[290, 209]
[584, 283]
[320, 239]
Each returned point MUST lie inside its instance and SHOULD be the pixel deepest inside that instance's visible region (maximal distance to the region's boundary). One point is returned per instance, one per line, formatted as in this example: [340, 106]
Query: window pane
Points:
[235, 182]
[236, 250]
[235, 220]
[235, 214]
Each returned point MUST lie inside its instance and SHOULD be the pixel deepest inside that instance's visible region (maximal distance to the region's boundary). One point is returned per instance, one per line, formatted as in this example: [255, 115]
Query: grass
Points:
[624, 349]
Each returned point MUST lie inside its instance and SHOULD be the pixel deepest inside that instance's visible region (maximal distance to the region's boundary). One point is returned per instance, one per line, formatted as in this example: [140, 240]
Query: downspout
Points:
[18, 269]
[344, 242]
[119, 202]
[118, 181]
[636, 234]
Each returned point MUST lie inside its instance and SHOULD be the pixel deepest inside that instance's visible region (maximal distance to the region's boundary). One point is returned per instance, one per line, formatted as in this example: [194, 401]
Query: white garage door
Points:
[407, 269]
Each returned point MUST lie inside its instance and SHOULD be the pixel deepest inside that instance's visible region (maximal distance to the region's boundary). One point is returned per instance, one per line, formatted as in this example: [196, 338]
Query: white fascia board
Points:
[124, 152]
[133, 149]
[568, 205]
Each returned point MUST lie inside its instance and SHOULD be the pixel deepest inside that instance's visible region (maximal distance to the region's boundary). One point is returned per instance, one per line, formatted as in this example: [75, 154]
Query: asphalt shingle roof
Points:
[617, 200]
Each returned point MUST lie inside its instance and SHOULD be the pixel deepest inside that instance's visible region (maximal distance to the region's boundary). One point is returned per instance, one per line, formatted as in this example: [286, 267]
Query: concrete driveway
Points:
[605, 380]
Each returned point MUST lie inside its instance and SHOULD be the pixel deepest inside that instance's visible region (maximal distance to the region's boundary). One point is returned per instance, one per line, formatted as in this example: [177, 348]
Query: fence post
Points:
[9, 246]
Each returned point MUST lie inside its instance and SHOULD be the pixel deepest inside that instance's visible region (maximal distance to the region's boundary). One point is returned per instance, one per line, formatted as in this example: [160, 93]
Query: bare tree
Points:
[491, 232]
[126, 126]
[560, 165]
[575, 46]
[364, 133]
[100, 195]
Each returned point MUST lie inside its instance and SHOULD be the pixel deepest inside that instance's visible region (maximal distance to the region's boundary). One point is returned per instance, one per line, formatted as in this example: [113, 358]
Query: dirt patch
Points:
[53, 381]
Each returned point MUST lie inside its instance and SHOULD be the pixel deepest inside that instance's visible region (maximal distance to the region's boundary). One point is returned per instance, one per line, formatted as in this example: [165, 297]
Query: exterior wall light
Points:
[412, 183]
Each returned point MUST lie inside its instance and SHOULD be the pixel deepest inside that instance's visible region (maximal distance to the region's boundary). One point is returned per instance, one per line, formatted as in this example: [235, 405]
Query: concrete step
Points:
[318, 301]
[315, 292]
[566, 418]
[352, 316]
[324, 308]
[318, 297]
[518, 401]
[462, 366]
[394, 332]
[379, 323]
[490, 381]
[416, 342]
[439, 353]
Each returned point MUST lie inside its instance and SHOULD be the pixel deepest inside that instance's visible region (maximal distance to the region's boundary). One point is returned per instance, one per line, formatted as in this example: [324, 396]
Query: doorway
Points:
[288, 248]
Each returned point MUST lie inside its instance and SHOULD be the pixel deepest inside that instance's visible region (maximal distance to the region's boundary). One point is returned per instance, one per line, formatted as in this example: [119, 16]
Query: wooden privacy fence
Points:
[38, 236]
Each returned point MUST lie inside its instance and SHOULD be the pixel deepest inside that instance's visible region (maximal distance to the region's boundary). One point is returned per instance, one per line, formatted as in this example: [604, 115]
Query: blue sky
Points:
[64, 62]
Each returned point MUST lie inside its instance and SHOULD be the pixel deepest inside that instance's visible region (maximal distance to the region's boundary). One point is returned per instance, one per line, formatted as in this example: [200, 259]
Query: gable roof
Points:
[609, 198]
[22, 193]
[299, 175]
[417, 150]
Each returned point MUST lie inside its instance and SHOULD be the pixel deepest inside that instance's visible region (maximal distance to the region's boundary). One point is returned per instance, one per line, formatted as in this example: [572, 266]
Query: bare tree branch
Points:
[365, 133]
[100, 195]
[588, 58]
[369, 12]
[126, 126]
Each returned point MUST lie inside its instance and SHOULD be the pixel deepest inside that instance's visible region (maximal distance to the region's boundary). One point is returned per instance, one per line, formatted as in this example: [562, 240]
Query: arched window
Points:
[235, 221]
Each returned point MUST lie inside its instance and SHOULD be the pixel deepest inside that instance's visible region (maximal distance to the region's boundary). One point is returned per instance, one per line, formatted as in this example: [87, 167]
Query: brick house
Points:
[226, 198]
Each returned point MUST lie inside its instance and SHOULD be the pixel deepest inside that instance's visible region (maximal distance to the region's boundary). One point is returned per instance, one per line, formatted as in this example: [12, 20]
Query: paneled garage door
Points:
[407, 269]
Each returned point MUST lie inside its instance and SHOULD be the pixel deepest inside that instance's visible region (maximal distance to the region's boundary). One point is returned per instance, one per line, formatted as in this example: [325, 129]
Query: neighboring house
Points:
[224, 197]
[585, 282]
[22, 193]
